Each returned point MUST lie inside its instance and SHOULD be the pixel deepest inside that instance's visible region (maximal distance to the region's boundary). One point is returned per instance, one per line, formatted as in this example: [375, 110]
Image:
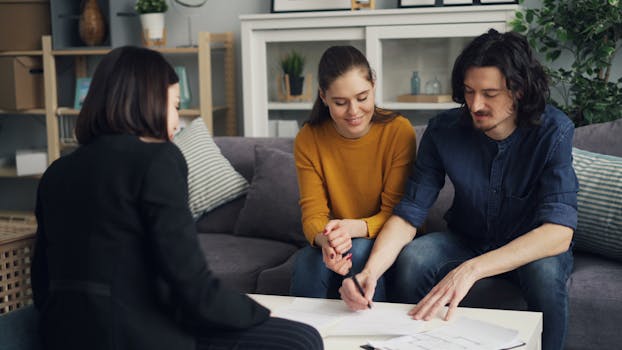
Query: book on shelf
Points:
[82, 87]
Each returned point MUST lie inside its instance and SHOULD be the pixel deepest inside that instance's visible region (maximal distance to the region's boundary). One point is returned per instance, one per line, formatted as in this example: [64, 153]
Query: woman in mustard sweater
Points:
[352, 160]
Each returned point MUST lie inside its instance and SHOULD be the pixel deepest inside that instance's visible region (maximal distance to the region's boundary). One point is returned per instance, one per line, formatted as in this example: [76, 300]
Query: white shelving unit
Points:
[395, 41]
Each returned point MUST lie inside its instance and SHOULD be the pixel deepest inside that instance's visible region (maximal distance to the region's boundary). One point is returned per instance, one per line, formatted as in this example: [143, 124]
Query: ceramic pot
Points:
[153, 25]
[295, 85]
[92, 27]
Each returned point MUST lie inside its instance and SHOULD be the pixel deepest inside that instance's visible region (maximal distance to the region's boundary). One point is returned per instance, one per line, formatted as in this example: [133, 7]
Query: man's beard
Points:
[488, 114]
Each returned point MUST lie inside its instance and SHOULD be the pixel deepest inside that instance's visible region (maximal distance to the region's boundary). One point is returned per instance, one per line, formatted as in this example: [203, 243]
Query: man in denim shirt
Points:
[508, 155]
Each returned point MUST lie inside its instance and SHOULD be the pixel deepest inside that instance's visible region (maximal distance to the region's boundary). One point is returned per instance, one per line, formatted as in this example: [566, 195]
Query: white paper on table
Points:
[335, 319]
[462, 334]
[314, 313]
[376, 322]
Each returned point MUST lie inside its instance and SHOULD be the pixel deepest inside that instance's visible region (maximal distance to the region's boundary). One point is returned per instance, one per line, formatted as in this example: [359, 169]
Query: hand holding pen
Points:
[353, 293]
[360, 289]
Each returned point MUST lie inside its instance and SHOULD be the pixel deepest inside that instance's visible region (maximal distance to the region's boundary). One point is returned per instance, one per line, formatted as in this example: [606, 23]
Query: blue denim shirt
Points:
[503, 189]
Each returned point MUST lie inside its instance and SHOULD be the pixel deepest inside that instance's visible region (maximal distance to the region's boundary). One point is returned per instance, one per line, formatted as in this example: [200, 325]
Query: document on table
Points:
[462, 334]
[335, 319]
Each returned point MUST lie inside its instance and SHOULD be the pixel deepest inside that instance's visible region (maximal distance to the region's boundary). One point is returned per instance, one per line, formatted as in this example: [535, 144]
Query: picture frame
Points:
[309, 5]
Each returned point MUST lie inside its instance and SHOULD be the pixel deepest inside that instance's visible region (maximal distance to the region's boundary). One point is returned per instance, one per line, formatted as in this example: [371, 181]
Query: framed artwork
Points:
[309, 5]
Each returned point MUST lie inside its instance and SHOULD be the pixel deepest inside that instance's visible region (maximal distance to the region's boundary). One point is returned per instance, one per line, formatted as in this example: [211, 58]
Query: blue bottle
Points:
[415, 83]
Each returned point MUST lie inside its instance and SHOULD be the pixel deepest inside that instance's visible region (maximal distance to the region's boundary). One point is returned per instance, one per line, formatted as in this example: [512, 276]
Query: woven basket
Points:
[17, 239]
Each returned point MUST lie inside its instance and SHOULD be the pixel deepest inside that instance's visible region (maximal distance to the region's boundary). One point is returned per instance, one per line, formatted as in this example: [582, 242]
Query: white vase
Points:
[153, 25]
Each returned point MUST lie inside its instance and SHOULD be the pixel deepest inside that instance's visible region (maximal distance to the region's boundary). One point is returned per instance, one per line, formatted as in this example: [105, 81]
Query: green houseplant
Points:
[150, 6]
[292, 65]
[589, 34]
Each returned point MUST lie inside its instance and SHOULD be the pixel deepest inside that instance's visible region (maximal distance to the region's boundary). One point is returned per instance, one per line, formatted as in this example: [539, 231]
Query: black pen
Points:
[358, 286]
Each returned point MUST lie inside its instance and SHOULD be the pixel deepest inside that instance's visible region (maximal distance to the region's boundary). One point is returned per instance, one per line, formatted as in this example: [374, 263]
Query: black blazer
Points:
[117, 262]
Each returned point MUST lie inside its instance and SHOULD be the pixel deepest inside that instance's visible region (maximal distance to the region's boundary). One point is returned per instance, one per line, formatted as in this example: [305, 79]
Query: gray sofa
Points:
[263, 265]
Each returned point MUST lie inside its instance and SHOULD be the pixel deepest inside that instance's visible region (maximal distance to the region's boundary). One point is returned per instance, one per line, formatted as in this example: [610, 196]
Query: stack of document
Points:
[462, 334]
[335, 319]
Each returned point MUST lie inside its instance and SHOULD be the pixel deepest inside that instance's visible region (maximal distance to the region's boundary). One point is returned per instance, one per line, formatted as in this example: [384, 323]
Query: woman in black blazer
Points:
[117, 263]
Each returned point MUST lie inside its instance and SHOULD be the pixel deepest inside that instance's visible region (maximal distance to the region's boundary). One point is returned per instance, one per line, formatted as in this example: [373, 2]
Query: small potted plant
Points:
[152, 18]
[292, 65]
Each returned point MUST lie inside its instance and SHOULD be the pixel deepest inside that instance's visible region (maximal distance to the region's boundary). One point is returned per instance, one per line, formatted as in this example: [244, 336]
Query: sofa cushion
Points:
[240, 151]
[595, 303]
[212, 180]
[221, 219]
[271, 209]
[601, 138]
[599, 229]
[276, 280]
[237, 261]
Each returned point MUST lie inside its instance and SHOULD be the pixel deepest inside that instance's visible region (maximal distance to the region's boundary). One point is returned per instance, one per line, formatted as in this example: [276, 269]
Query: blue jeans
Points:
[311, 278]
[427, 259]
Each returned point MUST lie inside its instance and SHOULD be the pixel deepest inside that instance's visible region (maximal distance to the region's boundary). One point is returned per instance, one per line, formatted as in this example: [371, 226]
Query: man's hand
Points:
[450, 290]
[351, 295]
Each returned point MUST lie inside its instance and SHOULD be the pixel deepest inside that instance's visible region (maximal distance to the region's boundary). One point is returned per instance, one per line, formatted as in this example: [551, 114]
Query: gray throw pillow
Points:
[599, 229]
[212, 180]
[271, 209]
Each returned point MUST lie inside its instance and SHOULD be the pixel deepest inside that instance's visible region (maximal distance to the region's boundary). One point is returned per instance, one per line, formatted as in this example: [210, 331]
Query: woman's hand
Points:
[336, 262]
[336, 240]
[339, 233]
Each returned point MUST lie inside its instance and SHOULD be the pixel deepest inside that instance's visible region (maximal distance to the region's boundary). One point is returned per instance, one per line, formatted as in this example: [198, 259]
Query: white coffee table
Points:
[528, 324]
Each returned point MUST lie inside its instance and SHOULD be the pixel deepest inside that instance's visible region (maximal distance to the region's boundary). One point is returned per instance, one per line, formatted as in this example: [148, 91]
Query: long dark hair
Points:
[335, 62]
[524, 75]
[128, 95]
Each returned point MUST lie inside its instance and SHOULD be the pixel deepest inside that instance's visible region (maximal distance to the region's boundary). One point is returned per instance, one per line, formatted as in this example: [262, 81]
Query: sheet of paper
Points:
[462, 334]
[376, 322]
[320, 315]
[335, 319]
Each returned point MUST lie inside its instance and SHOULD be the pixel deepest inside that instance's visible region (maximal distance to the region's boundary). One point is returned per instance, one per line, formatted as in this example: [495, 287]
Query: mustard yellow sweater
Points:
[342, 178]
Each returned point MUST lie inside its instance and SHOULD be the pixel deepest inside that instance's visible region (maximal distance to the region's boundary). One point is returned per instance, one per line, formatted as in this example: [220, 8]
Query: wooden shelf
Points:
[424, 98]
[207, 43]
[11, 172]
[24, 111]
[290, 106]
[103, 51]
[19, 215]
[193, 112]
[8, 172]
[419, 105]
[22, 53]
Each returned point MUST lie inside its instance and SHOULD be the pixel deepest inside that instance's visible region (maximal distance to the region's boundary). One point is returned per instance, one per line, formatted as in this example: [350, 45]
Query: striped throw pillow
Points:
[599, 229]
[212, 181]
